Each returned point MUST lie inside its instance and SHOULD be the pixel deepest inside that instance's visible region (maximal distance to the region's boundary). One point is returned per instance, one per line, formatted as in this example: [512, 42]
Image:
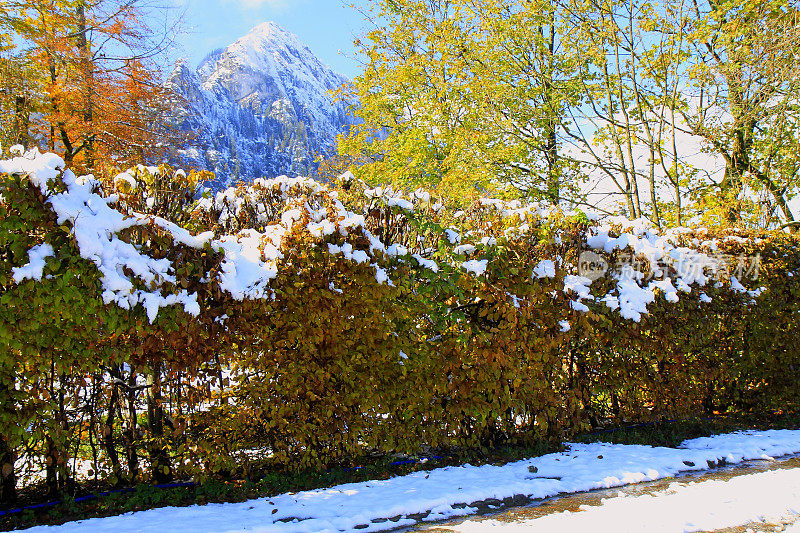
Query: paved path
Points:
[763, 496]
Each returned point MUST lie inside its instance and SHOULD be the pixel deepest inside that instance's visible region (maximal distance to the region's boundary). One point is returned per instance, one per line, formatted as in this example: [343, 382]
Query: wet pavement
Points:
[573, 502]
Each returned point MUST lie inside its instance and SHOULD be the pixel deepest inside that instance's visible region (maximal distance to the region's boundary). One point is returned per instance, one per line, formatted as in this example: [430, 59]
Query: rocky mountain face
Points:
[260, 107]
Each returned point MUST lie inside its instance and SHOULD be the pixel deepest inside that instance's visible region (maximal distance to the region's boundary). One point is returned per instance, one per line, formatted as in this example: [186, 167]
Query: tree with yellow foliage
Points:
[525, 96]
[463, 96]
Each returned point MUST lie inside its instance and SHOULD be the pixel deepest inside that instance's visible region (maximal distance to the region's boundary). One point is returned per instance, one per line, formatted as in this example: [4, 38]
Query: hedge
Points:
[153, 329]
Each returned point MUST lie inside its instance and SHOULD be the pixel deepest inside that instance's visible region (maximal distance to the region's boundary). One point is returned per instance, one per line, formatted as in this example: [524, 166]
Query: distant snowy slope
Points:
[260, 107]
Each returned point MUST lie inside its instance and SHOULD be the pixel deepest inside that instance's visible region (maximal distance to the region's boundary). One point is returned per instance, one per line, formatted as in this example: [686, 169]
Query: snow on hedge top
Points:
[250, 257]
[95, 225]
[41, 167]
[394, 198]
[130, 277]
[673, 267]
[648, 262]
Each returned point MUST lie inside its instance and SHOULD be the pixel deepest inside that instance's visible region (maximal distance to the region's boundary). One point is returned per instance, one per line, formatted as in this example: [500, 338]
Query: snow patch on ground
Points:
[442, 492]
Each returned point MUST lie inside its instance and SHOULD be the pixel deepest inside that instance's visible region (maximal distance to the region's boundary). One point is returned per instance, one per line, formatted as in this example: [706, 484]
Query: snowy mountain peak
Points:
[267, 44]
[273, 32]
[270, 64]
[265, 105]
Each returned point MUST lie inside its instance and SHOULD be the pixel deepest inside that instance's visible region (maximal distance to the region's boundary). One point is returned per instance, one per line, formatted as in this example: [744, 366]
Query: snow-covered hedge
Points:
[315, 322]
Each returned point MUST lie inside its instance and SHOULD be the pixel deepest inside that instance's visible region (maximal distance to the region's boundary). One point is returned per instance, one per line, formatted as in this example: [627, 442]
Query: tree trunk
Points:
[553, 178]
[88, 80]
[551, 139]
[21, 121]
[59, 127]
[8, 479]
[108, 428]
[731, 187]
[130, 433]
[51, 469]
[159, 458]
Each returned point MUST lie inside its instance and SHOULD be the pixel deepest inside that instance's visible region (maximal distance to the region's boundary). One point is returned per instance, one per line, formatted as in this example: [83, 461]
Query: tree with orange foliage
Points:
[99, 82]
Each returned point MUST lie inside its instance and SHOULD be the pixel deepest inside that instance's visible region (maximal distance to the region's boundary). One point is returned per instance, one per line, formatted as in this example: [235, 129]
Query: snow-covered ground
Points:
[443, 493]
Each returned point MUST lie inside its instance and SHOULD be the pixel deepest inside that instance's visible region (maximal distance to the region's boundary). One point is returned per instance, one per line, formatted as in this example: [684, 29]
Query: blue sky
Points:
[328, 27]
